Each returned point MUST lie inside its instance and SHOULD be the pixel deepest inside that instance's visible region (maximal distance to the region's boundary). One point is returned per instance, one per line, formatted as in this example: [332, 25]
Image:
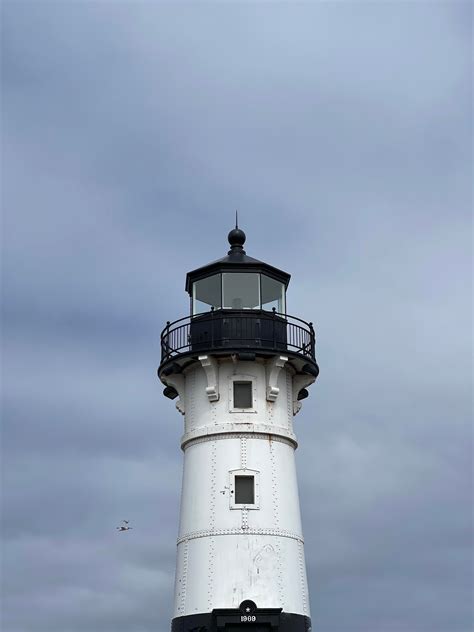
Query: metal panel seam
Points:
[215, 532]
[302, 578]
[238, 435]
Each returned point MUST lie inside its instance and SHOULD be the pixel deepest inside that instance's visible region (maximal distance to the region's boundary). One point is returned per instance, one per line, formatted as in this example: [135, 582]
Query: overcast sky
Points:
[342, 133]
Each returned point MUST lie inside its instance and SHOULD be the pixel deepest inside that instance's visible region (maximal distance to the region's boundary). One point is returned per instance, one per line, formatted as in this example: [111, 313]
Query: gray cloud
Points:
[342, 133]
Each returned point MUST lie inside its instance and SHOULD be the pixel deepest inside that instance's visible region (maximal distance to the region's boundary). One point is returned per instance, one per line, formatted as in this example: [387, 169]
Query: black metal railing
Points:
[238, 330]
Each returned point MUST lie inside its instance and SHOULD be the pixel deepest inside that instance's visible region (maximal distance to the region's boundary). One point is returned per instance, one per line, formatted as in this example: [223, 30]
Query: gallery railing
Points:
[238, 330]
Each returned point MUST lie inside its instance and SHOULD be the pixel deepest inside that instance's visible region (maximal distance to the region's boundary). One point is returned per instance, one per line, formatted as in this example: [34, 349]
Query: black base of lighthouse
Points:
[243, 619]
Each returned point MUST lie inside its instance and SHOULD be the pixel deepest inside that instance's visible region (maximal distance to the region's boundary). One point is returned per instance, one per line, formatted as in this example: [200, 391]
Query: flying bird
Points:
[124, 527]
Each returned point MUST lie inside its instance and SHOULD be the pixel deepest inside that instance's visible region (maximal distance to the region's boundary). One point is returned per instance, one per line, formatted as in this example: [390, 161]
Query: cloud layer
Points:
[343, 134]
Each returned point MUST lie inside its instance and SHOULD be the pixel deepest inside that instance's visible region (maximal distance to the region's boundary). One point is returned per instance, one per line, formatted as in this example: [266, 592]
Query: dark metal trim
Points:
[299, 336]
[233, 271]
[218, 619]
[236, 266]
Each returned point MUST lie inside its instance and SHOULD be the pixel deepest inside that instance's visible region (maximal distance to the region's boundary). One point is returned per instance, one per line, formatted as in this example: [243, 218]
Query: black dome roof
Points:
[236, 261]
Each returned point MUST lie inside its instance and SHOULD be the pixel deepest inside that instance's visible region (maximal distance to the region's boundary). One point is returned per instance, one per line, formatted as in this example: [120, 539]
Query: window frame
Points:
[283, 294]
[249, 384]
[243, 378]
[194, 312]
[259, 293]
[256, 489]
[221, 284]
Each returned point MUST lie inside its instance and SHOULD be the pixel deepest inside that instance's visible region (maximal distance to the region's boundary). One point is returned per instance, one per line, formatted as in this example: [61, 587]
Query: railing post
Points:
[168, 323]
[313, 344]
[212, 326]
[273, 318]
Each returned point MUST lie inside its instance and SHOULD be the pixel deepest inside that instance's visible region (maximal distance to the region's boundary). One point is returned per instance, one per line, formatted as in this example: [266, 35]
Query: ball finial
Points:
[236, 237]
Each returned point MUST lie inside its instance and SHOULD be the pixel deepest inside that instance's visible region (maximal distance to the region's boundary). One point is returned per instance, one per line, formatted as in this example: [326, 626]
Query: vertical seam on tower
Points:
[276, 519]
[212, 521]
[302, 577]
[276, 522]
[244, 514]
[191, 389]
[245, 519]
[280, 575]
[210, 582]
[214, 408]
[289, 400]
[243, 453]
[185, 577]
[185, 553]
[212, 500]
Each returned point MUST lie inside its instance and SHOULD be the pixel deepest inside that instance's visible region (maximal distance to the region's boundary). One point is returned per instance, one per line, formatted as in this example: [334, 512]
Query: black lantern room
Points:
[238, 306]
[237, 282]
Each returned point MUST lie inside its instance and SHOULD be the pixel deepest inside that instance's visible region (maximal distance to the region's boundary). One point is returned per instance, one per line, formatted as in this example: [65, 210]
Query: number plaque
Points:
[251, 618]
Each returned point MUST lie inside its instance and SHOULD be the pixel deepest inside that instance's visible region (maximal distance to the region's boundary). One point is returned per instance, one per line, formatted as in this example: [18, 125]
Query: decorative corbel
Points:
[210, 366]
[176, 380]
[300, 381]
[273, 368]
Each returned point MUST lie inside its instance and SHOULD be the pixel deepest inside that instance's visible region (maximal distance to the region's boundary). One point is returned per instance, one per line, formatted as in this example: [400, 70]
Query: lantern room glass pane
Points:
[273, 294]
[207, 294]
[241, 290]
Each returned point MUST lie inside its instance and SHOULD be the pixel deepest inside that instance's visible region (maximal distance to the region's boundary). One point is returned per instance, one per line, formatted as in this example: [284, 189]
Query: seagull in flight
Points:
[124, 526]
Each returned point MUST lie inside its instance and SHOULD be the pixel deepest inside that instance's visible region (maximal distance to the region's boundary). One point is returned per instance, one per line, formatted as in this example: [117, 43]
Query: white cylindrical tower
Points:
[239, 372]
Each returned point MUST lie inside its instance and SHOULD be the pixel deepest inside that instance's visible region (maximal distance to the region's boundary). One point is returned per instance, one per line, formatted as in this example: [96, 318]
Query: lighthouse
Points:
[238, 367]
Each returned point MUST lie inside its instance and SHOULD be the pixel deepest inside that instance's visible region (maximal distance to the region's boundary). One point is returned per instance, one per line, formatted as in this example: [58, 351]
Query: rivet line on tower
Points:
[302, 577]
[274, 438]
[281, 533]
[212, 522]
[243, 453]
[289, 400]
[185, 577]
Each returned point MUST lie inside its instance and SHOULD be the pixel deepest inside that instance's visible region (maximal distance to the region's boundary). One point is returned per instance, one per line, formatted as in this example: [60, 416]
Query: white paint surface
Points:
[226, 555]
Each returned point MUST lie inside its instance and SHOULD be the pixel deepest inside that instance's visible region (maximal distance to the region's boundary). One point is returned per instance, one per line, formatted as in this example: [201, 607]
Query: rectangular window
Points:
[244, 486]
[243, 395]
[244, 490]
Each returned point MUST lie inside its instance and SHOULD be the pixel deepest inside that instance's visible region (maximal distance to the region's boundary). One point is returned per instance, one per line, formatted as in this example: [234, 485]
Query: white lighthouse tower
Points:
[239, 366]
